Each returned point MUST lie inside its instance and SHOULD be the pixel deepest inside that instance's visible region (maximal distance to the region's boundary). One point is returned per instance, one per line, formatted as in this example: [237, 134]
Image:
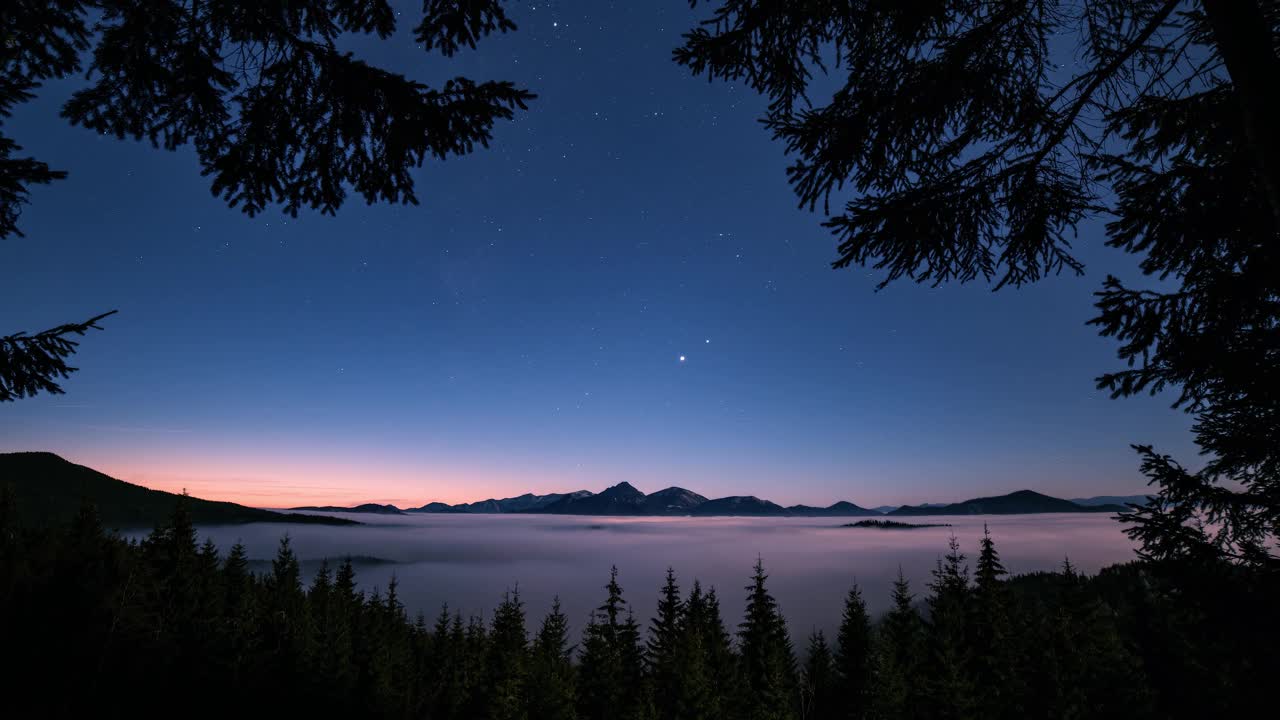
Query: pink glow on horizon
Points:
[276, 484]
[270, 476]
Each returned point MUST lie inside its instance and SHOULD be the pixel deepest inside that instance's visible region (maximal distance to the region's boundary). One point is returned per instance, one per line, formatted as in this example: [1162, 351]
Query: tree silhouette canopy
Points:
[972, 138]
[32, 364]
[278, 115]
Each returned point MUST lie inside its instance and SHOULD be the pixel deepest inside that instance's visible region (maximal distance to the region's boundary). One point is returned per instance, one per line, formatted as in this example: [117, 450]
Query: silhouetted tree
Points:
[285, 655]
[853, 658]
[994, 674]
[725, 670]
[974, 139]
[947, 689]
[899, 650]
[276, 112]
[550, 687]
[611, 676]
[663, 655]
[451, 679]
[819, 696]
[768, 662]
[32, 364]
[704, 660]
[506, 670]
[97, 624]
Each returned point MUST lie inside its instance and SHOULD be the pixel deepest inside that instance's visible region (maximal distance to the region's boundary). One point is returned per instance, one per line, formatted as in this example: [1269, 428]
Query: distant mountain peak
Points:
[1019, 502]
[373, 508]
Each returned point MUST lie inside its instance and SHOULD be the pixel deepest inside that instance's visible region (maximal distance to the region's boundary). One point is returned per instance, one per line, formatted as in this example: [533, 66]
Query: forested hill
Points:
[50, 491]
[1015, 503]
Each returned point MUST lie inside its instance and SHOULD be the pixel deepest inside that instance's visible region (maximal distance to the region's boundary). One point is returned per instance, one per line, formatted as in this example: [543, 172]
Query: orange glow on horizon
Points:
[274, 484]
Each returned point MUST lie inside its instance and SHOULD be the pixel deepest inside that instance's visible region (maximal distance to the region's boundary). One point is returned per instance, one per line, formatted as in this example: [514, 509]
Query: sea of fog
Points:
[468, 561]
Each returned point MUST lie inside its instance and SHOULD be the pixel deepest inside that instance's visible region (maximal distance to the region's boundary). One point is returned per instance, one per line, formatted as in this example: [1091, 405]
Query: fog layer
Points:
[468, 561]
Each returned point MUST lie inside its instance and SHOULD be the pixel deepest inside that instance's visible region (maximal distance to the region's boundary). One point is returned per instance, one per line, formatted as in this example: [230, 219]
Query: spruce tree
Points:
[330, 659]
[899, 643]
[819, 696]
[696, 696]
[994, 674]
[475, 650]
[768, 663]
[550, 689]
[663, 656]
[240, 623]
[970, 141]
[506, 663]
[286, 632]
[171, 601]
[450, 681]
[611, 673]
[853, 657]
[170, 555]
[724, 666]
[637, 690]
[948, 690]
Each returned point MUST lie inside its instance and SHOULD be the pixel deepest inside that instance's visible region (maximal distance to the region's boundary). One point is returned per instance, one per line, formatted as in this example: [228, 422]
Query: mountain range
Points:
[624, 499]
[50, 489]
[1112, 500]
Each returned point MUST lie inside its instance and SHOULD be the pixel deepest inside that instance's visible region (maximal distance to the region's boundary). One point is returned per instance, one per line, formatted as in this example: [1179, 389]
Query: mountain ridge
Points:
[50, 489]
[1018, 502]
[623, 499]
[1112, 500]
[371, 508]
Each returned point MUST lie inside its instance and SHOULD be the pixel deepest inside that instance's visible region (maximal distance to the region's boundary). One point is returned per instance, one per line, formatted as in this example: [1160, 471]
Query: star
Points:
[682, 358]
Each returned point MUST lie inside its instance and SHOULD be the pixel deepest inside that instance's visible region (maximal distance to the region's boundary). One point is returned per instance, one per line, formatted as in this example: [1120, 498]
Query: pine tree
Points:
[170, 554]
[170, 598]
[664, 650]
[449, 680]
[475, 650]
[286, 631]
[393, 651]
[320, 601]
[723, 662]
[1162, 123]
[80, 613]
[995, 680]
[506, 668]
[637, 689]
[853, 657]
[696, 694]
[550, 688]
[239, 625]
[819, 697]
[1095, 673]
[768, 663]
[948, 689]
[611, 672]
[899, 643]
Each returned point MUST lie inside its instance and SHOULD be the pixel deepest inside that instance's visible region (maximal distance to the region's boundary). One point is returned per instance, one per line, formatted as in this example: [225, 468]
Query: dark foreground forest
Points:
[97, 625]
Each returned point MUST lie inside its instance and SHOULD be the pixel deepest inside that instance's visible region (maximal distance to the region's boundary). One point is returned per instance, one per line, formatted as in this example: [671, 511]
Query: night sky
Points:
[621, 288]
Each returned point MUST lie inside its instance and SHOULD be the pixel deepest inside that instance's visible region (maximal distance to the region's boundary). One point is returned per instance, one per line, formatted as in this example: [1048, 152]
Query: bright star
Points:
[681, 358]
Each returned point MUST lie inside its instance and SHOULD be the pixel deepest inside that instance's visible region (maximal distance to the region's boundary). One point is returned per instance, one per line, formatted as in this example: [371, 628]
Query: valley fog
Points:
[468, 561]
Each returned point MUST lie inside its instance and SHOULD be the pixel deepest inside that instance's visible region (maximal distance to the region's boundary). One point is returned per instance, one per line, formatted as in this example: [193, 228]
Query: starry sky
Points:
[621, 288]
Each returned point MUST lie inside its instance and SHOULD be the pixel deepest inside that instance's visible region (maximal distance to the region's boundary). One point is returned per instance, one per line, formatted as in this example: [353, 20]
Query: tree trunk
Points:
[1245, 42]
